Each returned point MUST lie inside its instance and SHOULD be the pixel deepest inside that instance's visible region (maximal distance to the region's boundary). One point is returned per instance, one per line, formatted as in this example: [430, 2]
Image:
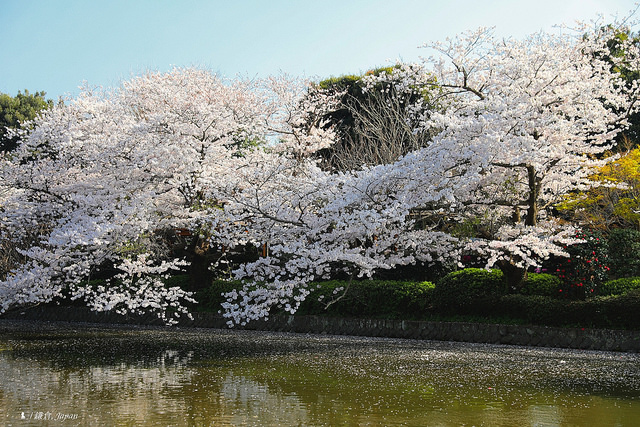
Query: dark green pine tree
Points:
[16, 111]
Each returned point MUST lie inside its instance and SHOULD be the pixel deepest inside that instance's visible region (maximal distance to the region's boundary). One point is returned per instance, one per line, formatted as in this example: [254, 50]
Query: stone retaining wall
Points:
[588, 339]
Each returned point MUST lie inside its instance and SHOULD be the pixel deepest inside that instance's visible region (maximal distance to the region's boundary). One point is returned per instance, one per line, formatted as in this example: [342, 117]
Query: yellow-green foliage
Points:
[615, 198]
[338, 82]
[619, 286]
[541, 284]
[348, 80]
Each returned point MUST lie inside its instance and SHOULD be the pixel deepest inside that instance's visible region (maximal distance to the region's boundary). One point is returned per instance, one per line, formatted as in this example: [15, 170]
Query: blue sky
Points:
[55, 45]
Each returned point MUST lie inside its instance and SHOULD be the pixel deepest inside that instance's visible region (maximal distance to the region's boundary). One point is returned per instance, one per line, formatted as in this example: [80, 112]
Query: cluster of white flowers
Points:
[101, 175]
[520, 123]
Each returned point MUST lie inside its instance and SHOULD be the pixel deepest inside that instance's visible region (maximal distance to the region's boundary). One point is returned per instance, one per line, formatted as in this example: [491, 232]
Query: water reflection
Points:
[155, 376]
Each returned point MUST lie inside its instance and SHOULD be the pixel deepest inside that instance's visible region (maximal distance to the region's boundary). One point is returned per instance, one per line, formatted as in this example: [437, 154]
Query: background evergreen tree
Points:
[16, 111]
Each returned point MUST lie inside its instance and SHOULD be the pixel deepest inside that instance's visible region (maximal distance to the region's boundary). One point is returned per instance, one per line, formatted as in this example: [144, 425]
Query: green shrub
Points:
[587, 266]
[468, 288]
[537, 309]
[624, 253]
[374, 298]
[621, 311]
[321, 294]
[619, 286]
[616, 311]
[541, 284]
[210, 298]
[180, 280]
[470, 292]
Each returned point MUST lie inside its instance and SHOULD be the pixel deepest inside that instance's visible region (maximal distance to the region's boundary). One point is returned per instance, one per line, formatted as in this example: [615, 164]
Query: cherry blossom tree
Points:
[98, 178]
[319, 224]
[524, 122]
[519, 124]
[527, 122]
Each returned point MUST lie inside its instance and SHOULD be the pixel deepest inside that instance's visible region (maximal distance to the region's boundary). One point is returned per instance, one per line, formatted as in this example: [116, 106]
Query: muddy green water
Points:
[64, 374]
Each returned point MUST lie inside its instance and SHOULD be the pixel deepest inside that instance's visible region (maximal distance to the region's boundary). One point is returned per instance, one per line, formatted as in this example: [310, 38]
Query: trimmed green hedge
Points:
[619, 286]
[464, 289]
[621, 311]
[374, 298]
[470, 293]
[624, 253]
[541, 284]
[537, 309]
[210, 298]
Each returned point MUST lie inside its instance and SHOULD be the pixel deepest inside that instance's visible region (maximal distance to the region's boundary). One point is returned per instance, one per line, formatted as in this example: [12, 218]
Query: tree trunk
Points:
[514, 276]
[534, 192]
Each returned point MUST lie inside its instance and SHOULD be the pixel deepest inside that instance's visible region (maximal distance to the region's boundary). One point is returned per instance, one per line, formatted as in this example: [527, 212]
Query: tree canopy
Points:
[17, 111]
[518, 125]
[615, 202]
[375, 115]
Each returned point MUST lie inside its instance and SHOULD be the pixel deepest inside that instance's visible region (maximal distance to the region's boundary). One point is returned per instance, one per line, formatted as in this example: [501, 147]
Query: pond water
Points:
[65, 374]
